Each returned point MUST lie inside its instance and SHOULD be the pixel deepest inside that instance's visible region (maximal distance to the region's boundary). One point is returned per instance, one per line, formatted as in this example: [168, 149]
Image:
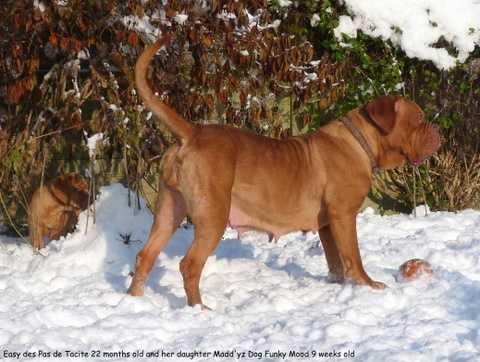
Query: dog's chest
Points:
[57, 218]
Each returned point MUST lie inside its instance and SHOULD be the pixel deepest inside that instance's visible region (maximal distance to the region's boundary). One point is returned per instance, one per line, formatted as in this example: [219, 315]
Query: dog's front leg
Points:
[344, 232]
[37, 238]
[36, 231]
[335, 269]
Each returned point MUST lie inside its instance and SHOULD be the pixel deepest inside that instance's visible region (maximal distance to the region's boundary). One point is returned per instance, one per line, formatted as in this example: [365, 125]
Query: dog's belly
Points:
[275, 222]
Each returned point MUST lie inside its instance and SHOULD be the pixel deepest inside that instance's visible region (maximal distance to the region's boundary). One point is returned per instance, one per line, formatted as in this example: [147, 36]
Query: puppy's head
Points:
[76, 181]
[75, 187]
[405, 134]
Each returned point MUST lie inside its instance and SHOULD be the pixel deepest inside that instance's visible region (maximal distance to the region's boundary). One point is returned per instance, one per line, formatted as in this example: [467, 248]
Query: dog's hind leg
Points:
[208, 207]
[209, 228]
[170, 210]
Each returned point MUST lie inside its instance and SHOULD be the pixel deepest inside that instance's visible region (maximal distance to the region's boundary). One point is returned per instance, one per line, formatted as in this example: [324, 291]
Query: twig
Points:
[429, 178]
[424, 194]
[154, 158]
[94, 192]
[125, 164]
[414, 193]
[54, 132]
[43, 168]
[10, 219]
[90, 184]
[139, 183]
[24, 201]
[41, 190]
[291, 113]
[149, 184]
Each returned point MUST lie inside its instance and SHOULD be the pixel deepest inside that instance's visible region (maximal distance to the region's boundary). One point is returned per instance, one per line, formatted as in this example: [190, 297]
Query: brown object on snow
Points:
[54, 208]
[415, 268]
[220, 175]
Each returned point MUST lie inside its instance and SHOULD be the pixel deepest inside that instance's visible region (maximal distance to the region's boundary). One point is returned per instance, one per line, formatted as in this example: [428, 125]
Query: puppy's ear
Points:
[61, 181]
[382, 111]
[64, 179]
[80, 183]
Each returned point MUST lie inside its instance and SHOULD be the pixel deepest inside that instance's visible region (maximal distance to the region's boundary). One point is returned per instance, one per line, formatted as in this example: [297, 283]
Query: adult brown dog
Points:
[220, 175]
[54, 208]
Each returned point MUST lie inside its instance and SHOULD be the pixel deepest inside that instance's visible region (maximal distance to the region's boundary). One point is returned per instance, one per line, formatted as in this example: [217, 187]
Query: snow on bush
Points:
[417, 26]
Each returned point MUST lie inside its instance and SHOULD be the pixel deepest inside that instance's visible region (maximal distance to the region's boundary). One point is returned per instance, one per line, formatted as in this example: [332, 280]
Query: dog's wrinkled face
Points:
[76, 187]
[406, 136]
[74, 181]
[77, 182]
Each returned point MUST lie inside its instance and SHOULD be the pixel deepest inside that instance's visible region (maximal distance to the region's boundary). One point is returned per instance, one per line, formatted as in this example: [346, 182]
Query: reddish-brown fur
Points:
[54, 208]
[220, 175]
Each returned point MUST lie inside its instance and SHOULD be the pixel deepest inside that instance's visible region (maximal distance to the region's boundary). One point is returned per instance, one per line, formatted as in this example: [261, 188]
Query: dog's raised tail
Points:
[175, 122]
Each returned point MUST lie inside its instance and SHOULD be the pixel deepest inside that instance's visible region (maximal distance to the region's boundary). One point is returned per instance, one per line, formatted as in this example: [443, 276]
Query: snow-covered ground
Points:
[265, 296]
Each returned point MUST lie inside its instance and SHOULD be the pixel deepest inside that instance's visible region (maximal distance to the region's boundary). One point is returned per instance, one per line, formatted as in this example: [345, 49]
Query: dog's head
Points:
[75, 188]
[405, 135]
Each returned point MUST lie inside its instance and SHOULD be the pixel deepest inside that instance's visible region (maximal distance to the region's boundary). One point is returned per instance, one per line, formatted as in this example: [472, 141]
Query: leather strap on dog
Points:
[358, 135]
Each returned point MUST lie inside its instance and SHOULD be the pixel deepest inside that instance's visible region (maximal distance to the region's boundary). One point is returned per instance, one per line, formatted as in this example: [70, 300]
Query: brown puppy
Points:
[220, 175]
[54, 208]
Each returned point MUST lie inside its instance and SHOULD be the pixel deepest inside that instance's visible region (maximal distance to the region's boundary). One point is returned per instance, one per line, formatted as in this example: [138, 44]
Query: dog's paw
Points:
[205, 307]
[335, 278]
[377, 285]
[135, 291]
[43, 252]
[136, 288]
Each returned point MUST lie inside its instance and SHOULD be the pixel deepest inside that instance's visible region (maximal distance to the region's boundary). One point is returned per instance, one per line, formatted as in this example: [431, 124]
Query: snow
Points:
[417, 25]
[181, 18]
[39, 5]
[345, 26]
[142, 25]
[283, 3]
[267, 299]
[421, 210]
[226, 16]
[113, 107]
[93, 141]
[314, 20]
[83, 54]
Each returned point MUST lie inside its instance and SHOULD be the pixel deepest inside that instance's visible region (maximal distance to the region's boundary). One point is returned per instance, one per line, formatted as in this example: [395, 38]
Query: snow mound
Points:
[417, 26]
[268, 298]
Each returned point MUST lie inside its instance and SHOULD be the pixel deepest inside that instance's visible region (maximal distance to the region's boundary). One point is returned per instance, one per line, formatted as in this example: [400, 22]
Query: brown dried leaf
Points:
[64, 43]
[17, 21]
[53, 39]
[132, 39]
[33, 65]
[76, 45]
[207, 40]
[243, 98]
[81, 25]
[15, 92]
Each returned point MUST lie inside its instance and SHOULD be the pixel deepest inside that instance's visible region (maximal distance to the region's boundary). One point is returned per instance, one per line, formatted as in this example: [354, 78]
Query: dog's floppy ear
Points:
[382, 111]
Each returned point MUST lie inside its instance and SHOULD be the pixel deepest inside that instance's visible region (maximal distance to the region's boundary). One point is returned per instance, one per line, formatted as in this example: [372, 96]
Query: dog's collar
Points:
[358, 135]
